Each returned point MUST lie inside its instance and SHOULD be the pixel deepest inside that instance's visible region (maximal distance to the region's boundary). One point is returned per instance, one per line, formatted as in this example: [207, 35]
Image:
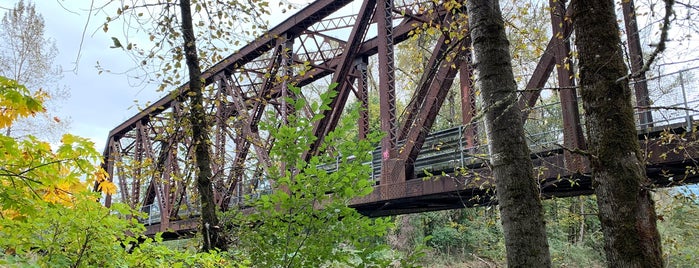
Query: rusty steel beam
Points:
[427, 113]
[267, 84]
[324, 126]
[387, 83]
[336, 23]
[160, 176]
[348, 21]
[294, 26]
[286, 46]
[365, 49]
[363, 97]
[423, 87]
[253, 136]
[140, 149]
[572, 130]
[544, 67]
[636, 54]
[468, 100]
[368, 48]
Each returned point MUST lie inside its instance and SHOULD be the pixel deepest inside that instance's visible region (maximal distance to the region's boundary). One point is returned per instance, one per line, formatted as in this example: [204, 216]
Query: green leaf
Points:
[116, 43]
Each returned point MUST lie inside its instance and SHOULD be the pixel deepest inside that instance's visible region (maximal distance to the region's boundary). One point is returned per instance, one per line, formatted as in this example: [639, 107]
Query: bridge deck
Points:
[474, 186]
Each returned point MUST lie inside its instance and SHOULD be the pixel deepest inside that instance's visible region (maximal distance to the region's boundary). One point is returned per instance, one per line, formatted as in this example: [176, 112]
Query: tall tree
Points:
[626, 208]
[27, 56]
[517, 189]
[200, 137]
[183, 31]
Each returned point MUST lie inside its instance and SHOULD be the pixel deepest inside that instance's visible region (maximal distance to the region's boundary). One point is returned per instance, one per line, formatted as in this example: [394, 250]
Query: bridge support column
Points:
[387, 94]
[286, 46]
[108, 166]
[572, 130]
[636, 54]
[468, 99]
[363, 96]
[392, 171]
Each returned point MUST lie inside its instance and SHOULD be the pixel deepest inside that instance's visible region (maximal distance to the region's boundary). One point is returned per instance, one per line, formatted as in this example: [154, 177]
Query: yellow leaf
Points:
[107, 187]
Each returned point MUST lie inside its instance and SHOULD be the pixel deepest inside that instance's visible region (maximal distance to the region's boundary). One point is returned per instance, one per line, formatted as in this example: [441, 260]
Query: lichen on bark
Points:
[517, 189]
[626, 208]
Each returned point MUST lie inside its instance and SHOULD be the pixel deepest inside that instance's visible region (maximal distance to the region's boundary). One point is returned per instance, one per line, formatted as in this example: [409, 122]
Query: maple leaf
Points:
[107, 187]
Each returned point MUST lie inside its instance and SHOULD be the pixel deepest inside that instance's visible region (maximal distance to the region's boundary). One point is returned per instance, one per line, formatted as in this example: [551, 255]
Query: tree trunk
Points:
[200, 138]
[517, 190]
[626, 209]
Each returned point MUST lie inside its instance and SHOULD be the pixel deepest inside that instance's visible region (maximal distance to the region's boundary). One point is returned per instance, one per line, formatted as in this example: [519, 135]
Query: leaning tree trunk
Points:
[200, 138]
[517, 189]
[626, 209]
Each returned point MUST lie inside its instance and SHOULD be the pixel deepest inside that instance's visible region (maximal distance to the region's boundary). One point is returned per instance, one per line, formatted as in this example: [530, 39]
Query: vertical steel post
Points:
[108, 167]
[387, 96]
[572, 131]
[687, 117]
[363, 96]
[636, 54]
[221, 118]
[138, 159]
[468, 101]
[166, 202]
[286, 44]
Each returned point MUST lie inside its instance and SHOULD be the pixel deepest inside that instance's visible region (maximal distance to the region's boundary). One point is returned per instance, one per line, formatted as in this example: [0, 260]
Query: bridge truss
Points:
[148, 156]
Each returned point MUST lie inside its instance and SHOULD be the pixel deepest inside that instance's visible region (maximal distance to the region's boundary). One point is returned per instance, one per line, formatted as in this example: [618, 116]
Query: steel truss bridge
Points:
[148, 155]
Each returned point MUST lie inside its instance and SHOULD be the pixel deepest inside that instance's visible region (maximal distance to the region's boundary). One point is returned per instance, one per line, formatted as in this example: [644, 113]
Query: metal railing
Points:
[154, 216]
[675, 100]
[446, 150]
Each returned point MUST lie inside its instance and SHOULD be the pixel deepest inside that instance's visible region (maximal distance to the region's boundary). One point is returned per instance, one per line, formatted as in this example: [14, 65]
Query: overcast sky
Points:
[97, 103]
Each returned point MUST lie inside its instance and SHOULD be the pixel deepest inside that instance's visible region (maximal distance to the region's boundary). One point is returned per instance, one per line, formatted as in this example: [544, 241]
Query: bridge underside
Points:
[461, 191]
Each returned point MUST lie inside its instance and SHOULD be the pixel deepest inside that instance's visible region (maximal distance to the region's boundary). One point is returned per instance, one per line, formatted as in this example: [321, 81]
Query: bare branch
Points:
[666, 108]
[660, 47]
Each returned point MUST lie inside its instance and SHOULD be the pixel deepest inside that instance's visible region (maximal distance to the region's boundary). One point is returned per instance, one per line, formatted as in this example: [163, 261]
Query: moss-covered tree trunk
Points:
[626, 209]
[200, 138]
[517, 189]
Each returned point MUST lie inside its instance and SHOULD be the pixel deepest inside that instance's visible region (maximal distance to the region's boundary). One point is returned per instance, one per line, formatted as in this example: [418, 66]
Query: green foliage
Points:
[152, 253]
[574, 232]
[16, 101]
[306, 222]
[473, 236]
[678, 210]
[32, 172]
[77, 236]
[48, 215]
[467, 231]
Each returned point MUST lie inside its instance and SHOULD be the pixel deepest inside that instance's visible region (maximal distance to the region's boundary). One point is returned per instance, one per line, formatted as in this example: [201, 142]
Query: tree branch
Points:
[667, 108]
[576, 151]
[660, 47]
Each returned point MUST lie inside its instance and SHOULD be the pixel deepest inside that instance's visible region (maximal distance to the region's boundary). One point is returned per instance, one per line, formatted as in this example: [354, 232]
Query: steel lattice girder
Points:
[246, 64]
[243, 87]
